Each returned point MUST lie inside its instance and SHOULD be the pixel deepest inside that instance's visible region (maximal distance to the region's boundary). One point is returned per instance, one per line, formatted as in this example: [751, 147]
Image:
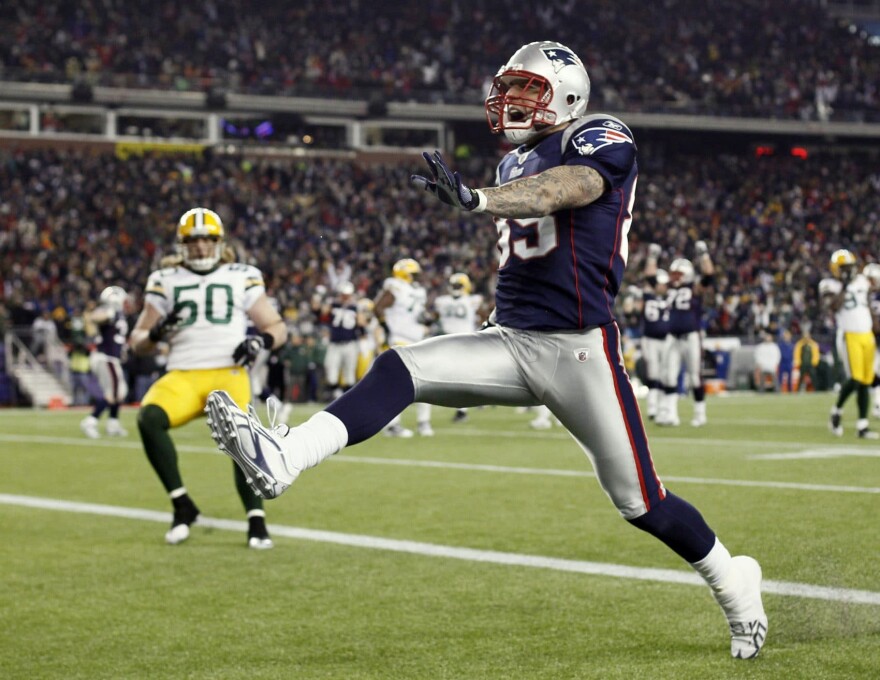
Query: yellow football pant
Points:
[183, 394]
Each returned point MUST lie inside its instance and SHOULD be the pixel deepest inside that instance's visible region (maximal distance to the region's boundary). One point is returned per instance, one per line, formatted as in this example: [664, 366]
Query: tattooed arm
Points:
[565, 186]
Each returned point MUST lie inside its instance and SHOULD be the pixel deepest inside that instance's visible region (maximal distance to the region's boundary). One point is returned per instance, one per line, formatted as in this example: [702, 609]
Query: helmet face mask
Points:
[542, 85]
[200, 239]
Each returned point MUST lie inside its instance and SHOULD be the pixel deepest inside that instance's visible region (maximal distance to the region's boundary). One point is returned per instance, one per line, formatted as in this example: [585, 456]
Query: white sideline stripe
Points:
[805, 590]
[547, 472]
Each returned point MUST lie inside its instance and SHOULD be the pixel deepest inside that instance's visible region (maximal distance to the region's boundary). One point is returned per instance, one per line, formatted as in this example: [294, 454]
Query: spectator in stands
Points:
[786, 361]
[806, 361]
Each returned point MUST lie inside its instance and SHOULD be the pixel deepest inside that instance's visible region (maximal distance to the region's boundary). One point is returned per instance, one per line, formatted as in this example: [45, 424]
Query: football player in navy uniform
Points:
[105, 362]
[346, 326]
[653, 308]
[684, 300]
[562, 206]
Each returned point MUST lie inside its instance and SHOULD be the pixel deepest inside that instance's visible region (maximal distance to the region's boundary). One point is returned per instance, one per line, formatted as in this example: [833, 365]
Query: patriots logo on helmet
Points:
[592, 139]
[560, 57]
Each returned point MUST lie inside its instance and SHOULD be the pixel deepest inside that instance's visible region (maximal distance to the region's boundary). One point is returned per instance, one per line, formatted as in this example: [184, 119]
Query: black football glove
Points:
[164, 327]
[248, 349]
[446, 185]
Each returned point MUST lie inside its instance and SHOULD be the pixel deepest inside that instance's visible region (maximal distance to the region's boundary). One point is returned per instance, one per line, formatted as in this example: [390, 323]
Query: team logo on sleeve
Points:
[589, 141]
[560, 57]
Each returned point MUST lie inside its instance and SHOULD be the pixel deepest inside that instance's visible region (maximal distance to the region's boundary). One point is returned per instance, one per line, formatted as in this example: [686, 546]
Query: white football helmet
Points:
[554, 88]
[113, 297]
[345, 288]
[681, 272]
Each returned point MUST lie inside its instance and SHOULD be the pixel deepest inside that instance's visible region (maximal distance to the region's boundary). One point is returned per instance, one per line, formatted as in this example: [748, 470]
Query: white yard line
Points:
[788, 588]
[115, 444]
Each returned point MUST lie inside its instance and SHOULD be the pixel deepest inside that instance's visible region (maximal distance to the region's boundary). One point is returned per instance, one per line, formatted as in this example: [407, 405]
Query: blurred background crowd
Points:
[727, 57]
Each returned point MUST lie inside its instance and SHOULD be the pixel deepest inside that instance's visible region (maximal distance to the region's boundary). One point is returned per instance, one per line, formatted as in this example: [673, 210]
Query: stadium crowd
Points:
[73, 222]
[730, 57]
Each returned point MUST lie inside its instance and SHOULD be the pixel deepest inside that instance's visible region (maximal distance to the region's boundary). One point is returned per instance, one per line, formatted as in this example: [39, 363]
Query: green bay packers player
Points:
[460, 310]
[199, 306]
[401, 308]
[848, 296]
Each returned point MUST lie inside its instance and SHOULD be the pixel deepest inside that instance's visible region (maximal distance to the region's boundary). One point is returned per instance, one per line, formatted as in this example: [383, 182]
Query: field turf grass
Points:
[487, 551]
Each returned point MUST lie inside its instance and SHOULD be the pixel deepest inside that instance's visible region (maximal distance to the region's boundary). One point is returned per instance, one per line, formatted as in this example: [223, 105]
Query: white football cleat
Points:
[425, 430]
[184, 516]
[740, 598]
[177, 534]
[835, 424]
[89, 427]
[115, 429]
[260, 543]
[269, 468]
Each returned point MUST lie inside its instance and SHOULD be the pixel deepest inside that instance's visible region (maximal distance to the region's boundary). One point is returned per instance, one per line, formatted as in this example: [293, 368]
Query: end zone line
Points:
[804, 590]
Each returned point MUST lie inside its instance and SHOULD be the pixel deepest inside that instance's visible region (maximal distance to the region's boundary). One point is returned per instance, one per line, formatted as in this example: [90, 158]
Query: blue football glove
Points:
[446, 185]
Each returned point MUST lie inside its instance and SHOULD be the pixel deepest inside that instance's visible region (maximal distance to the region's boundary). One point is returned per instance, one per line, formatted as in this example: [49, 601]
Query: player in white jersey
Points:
[200, 307]
[848, 296]
[872, 272]
[401, 308]
[459, 311]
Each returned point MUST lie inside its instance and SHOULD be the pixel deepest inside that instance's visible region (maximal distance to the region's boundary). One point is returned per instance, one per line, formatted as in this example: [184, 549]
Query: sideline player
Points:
[459, 310]
[105, 362]
[652, 305]
[847, 296]
[345, 322]
[200, 307]
[684, 300]
[563, 208]
[401, 308]
[872, 272]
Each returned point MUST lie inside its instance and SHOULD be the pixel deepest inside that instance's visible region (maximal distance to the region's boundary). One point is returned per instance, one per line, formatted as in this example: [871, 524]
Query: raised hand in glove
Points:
[447, 185]
[701, 248]
[167, 325]
[248, 349]
[654, 250]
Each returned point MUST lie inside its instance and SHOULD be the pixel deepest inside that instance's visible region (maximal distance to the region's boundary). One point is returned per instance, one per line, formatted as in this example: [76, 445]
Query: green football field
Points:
[488, 551]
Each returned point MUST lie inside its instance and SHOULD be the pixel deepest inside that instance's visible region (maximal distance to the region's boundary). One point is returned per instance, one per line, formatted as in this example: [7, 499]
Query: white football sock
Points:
[318, 438]
[715, 566]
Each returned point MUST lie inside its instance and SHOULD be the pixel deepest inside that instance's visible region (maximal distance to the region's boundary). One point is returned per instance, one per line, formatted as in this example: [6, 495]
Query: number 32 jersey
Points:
[213, 311]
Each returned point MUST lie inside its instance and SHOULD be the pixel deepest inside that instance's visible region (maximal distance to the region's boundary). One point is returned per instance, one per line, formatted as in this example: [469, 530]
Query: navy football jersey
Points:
[563, 271]
[655, 316]
[112, 334]
[343, 322]
[685, 310]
